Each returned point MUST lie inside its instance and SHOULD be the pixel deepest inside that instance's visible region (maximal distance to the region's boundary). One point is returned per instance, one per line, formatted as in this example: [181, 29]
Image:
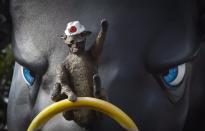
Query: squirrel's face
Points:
[76, 43]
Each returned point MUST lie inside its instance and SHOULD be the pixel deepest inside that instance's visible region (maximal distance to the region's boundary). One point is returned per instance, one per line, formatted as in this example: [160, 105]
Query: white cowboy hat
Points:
[74, 28]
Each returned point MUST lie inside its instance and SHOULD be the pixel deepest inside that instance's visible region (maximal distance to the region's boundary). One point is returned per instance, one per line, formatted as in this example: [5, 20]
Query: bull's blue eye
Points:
[28, 76]
[175, 75]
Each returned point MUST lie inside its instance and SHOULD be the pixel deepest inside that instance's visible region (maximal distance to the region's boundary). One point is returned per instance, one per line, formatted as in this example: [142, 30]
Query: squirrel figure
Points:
[78, 75]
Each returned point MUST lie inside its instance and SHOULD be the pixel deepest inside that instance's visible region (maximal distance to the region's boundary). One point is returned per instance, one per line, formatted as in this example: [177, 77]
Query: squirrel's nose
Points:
[72, 41]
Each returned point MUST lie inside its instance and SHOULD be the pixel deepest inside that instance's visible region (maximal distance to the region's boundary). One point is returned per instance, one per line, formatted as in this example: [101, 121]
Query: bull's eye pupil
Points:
[174, 76]
[28, 76]
[171, 75]
[165, 73]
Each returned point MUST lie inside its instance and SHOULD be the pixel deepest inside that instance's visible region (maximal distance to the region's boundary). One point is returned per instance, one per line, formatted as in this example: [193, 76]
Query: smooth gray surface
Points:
[144, 39]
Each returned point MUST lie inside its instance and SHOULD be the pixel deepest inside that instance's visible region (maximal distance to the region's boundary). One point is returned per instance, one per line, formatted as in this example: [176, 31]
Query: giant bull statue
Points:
[146, 65]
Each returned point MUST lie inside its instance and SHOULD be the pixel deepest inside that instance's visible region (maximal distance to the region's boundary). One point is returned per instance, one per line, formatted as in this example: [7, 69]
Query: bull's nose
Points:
[83, 117]
[58, 123]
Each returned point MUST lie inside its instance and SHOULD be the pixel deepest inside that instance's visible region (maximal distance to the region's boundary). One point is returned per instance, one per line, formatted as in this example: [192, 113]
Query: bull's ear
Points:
[86, 33]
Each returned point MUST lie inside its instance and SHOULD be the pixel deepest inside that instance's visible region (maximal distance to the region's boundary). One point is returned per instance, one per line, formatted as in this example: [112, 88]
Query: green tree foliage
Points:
[6, 65]
[6, 71]
[6, 59]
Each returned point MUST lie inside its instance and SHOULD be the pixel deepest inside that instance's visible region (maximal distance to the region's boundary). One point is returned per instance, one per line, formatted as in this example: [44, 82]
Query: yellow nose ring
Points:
[92, 103]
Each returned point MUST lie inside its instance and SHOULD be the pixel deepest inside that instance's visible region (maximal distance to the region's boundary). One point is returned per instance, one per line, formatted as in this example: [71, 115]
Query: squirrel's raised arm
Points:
[96, 49]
